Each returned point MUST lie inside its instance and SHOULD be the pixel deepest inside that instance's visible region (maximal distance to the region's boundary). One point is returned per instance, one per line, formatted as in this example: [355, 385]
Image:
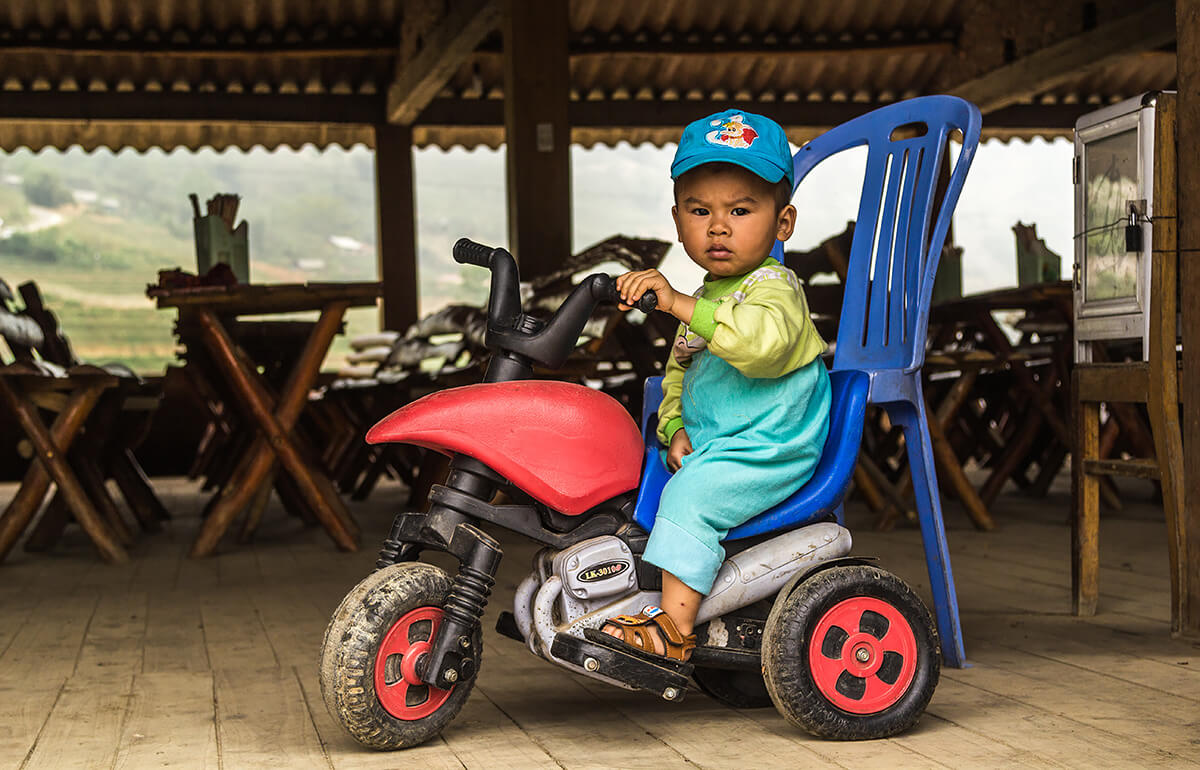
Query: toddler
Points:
[745, 408]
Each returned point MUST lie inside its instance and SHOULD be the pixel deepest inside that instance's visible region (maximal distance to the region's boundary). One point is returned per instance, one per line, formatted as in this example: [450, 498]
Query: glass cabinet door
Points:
[1111, 168]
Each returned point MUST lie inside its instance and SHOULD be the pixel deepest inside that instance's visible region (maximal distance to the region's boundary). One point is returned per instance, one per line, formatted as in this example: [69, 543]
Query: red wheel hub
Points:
[400, 691]
[863, 655]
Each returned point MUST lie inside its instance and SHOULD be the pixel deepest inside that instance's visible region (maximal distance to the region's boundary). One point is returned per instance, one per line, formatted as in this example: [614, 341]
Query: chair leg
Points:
[911, 416]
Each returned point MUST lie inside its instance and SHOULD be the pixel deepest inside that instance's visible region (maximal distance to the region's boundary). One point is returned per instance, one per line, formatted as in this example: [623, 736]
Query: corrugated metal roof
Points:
[85, 61]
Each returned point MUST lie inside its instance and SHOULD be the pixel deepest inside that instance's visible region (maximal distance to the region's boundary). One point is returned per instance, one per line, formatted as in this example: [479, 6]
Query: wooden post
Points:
[536, 86]
[396, 225]
[1187, 58]
[1085, 519]
[1162, 393]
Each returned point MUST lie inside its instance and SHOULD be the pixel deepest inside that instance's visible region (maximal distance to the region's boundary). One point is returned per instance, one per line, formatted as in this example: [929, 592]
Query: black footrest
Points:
[631, 669]
[506, 625]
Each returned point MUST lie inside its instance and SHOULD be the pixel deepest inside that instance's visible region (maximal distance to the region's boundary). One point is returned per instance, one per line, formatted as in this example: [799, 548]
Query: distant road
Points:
[40, 218]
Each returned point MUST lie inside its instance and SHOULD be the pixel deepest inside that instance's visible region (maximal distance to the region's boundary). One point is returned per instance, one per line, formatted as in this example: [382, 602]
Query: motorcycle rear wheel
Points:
[851, 653]
[370, 652]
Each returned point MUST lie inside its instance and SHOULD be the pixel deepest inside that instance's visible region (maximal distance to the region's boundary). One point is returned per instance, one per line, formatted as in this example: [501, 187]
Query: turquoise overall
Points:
[755, 440]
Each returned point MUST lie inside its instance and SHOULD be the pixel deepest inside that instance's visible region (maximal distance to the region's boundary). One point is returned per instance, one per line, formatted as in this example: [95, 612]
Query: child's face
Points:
[726, 220]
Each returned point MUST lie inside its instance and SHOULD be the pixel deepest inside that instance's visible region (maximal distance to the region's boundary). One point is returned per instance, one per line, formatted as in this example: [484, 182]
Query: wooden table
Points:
[209, 311]
[967, 341]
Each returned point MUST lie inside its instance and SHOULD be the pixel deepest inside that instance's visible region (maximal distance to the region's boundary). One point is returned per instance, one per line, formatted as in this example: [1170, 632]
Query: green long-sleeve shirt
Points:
[757, 322]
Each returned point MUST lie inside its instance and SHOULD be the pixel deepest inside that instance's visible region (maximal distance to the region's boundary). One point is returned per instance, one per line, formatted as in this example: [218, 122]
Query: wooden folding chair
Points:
[91, 403]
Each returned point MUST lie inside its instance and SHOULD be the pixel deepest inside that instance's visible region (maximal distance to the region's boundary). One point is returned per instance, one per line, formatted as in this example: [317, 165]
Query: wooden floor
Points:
[177, 662]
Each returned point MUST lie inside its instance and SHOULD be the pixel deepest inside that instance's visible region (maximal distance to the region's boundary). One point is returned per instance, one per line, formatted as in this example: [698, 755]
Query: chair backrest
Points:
[32, 328]
[894, 254]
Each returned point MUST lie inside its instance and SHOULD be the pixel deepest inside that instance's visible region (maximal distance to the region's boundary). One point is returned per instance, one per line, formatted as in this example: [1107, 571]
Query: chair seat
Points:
[818, 499]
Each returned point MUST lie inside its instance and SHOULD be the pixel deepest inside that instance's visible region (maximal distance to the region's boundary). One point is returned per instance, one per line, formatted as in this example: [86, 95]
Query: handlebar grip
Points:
[647, 302]
[467, 251]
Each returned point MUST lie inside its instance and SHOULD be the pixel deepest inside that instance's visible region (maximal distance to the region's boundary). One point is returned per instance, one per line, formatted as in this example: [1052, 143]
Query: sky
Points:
[627, 190]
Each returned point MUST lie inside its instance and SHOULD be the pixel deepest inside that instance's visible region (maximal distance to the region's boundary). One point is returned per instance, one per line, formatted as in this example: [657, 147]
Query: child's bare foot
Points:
[651, 630]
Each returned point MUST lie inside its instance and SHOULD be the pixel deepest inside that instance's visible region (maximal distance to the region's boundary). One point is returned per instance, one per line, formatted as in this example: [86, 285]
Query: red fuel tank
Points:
[565, 445]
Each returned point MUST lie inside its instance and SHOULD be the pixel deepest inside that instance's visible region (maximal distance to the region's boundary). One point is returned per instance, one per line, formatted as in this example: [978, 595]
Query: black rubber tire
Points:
[352, 640]
[786, 640]
[736, 688]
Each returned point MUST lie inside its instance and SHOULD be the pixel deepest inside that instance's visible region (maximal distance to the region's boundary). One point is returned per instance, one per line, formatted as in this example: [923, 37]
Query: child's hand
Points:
[680, 445]
[632, 286]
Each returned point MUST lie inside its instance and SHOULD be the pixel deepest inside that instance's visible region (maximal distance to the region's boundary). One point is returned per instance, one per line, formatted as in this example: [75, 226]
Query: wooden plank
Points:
[555, 706]
[537, 134]
[1048, 565]
[1150, 27]
[174, 641]
[881, 754]
[17, 610]
[1042, 590]
[1116, 657]
[1187, 529]
[666, 114]
[263, 299]
[26, 701]
[263, 719]
[345, 753]
[1140, 469]
[447, 45]
[115, 636]
[238, 571]
[396, 225]
[941, 738]
[84, 729]
[483, 736]
[234, 635]
[200, 106]
[171, 722]
[157, 569]
[698, 729]
[49, 648]
[1113, 382]
[1053, 739]
[1157, 728]
[292, 623]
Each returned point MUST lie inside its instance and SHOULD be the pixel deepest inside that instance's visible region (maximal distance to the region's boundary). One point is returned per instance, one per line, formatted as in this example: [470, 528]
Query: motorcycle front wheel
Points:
[370, 654]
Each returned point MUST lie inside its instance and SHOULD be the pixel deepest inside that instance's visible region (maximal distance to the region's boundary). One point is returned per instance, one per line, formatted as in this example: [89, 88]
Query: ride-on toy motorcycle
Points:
[842, 648]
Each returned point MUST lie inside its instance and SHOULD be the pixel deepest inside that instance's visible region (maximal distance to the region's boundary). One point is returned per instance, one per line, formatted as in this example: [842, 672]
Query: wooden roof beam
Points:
[453, 39]
[636, 113]
[1151, 27]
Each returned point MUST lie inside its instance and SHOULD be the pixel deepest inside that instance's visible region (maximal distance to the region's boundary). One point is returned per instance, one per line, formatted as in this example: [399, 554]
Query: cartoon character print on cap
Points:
[733, 132]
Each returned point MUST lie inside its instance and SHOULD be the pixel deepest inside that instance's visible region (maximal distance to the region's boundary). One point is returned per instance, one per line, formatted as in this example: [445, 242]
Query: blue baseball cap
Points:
[742, 138]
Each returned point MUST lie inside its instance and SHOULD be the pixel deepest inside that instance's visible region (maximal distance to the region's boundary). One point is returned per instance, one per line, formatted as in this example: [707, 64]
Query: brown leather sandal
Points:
[636, 633]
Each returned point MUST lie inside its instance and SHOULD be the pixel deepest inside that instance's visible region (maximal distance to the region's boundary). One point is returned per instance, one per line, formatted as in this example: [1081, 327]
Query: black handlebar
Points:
[510, 331]
[645, 303]
[468, 252]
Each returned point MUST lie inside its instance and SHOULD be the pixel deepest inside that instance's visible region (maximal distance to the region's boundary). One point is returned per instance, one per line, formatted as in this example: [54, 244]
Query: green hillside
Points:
[128, 216]
[94, 228]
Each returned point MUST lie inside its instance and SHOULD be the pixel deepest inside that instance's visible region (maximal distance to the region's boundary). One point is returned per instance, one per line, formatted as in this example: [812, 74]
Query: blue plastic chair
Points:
[881, 335]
